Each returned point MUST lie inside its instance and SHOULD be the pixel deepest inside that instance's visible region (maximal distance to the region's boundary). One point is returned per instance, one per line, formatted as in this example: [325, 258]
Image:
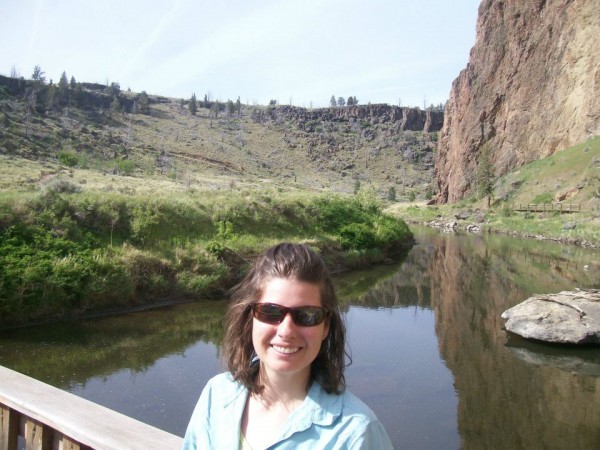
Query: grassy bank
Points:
[571, 176]
[65, 253]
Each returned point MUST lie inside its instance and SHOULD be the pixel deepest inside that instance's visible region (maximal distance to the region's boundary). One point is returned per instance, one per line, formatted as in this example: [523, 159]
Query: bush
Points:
[59, 186]
[125, 166]
[68, 157]
[390, 231]
[43, 275]
[357, 236]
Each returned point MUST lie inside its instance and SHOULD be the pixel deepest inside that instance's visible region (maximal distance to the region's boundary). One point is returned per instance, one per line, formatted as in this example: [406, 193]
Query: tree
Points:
[332, 101]
[341, 101]
[391, 194]
[115, 106]
[215, 108]
[63, 88]
[72, 82]
[485, 173]
[238, 107]
[193, 105]
[38, 76]
[229, 108]
[143, 103]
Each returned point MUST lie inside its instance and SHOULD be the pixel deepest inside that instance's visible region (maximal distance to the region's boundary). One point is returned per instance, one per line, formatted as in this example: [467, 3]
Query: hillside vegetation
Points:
[215, 148]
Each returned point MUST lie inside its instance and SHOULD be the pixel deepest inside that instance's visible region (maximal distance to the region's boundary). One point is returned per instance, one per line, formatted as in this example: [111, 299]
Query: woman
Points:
[284, 346]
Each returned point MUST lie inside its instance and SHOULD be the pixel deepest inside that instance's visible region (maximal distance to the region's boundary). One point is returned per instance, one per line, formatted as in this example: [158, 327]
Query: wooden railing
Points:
[36, 416]
[548, 207]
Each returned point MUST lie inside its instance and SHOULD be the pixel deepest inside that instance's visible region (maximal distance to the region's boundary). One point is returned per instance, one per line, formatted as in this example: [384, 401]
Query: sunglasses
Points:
[304, 316]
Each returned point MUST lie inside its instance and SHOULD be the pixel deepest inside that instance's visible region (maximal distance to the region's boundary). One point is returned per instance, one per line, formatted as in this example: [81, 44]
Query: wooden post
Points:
[68, 444]
[9, 433]
[37, 437]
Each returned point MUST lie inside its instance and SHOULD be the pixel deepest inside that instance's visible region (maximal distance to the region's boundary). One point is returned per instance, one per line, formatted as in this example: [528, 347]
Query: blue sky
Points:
[294, 51]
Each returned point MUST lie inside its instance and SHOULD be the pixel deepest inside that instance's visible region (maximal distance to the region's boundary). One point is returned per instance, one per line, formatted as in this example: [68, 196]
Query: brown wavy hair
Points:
[291, 261]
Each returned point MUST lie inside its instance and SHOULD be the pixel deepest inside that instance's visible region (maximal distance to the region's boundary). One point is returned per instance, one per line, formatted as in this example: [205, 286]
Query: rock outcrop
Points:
[531, 88]
[407, 119]
[564, 318]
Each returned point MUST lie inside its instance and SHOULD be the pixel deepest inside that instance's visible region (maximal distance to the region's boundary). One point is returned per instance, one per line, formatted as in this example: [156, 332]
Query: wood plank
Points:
[9, 433]
[83, 421]
[69, 444]
[37, 436]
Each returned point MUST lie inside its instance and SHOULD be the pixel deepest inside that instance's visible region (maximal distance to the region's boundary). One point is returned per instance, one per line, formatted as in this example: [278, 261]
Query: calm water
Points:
[429, 353]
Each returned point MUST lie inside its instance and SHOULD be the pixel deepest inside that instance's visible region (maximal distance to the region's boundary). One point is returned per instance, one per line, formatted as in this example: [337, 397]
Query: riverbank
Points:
[65, 254]
[580, 229]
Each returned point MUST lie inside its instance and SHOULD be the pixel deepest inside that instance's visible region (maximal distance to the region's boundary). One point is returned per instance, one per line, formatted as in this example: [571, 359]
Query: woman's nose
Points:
[287, 326]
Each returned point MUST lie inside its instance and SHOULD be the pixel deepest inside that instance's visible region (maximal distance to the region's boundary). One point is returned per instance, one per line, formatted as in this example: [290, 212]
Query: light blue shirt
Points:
[324, 421]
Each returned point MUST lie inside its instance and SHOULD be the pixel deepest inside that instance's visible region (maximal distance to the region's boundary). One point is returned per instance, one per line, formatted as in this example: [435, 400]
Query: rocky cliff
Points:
[531, 88]
[406, 119]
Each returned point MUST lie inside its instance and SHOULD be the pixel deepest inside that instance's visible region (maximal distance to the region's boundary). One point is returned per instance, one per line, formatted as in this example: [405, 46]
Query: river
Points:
[429, 353]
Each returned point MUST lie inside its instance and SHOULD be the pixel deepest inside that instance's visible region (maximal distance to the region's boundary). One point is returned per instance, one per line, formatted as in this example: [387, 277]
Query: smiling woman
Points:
[285, 347]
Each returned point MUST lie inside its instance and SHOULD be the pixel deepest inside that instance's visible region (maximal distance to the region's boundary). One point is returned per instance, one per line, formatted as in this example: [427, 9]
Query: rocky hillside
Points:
[105, 130]
[531, 88]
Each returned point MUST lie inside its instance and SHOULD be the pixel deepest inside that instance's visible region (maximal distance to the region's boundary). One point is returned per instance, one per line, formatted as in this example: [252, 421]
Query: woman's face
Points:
[287, 349]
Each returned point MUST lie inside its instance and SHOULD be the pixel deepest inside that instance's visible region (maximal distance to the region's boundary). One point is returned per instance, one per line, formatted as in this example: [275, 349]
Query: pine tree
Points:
[238, 107]
[332, 101]
[63, 89]
[341, 101]
[485, 173]
[193, 105]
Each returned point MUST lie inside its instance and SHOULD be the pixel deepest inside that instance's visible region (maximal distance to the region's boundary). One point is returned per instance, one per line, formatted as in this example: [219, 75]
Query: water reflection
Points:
[506, 401]
[430, 354]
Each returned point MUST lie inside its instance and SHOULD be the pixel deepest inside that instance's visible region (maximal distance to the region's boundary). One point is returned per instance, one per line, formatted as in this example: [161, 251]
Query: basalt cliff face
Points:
[531, 88]
[406, 119]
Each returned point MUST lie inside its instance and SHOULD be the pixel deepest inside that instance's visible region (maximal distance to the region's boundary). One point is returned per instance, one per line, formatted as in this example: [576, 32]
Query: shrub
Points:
[125, 166]
[357, 236]
[68, 157]
[215, 248]
[390, 231]
[59, 186]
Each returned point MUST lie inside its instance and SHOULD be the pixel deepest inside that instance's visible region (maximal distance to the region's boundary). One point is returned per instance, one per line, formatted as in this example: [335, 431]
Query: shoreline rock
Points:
[569, 317]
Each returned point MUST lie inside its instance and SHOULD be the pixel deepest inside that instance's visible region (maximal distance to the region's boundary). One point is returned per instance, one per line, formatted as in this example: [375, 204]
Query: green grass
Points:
[66, 254]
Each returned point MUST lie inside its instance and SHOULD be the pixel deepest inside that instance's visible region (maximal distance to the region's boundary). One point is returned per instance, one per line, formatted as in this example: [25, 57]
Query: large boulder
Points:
[569, 317]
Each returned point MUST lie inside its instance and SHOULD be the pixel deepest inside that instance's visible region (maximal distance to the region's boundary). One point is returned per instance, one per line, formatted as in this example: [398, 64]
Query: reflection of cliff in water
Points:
[505, 402]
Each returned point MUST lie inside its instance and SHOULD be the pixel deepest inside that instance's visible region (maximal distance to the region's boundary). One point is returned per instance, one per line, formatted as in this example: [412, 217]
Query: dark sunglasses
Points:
[304, 316]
